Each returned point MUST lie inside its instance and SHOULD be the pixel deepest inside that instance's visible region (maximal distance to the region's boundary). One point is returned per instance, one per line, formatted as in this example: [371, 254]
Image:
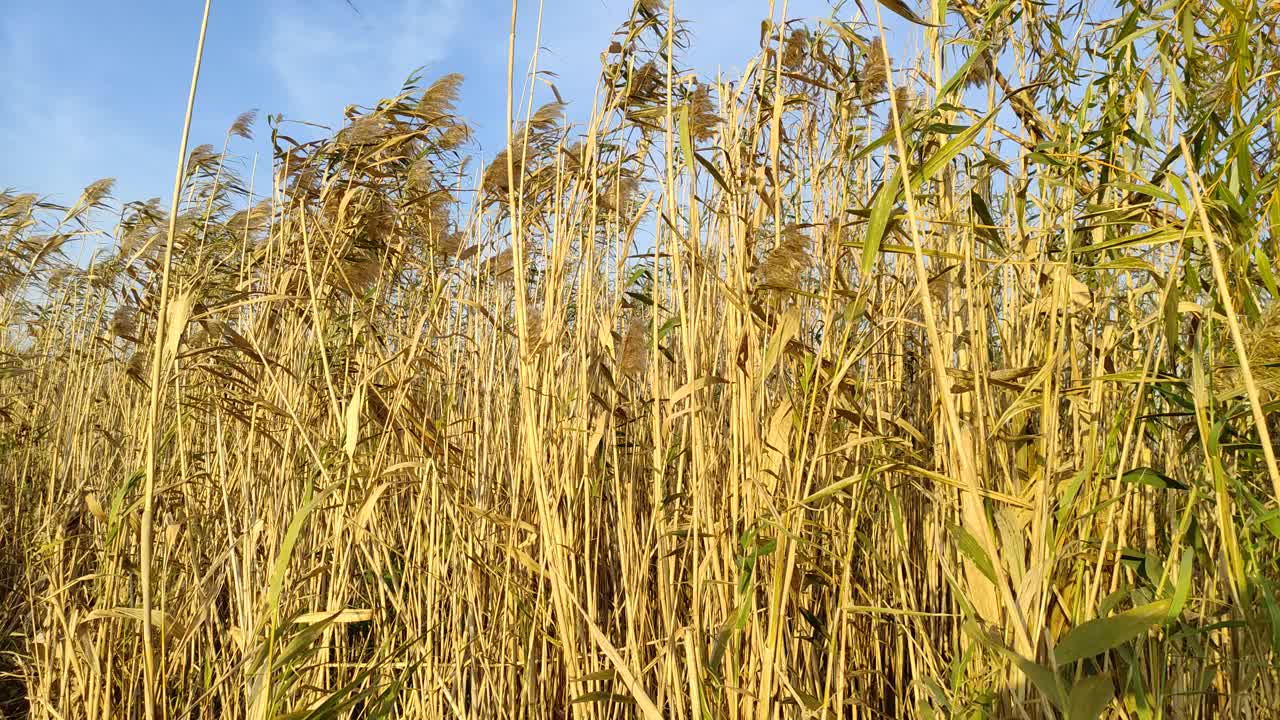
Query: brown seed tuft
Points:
[903, 104]
[442, 96]
[124, 322]
[496, 181]
[94, 195]
[1262, 346]
[784, 266]
[362, 274]
[243, 126]
[703, 119]
[136, 368]
[499, 265]
[202, 156]
[980, 71]
[620, 194]
[61, 276]
[250, 221]
[18, 206]
[363, 131]
[633, 357]
[875, 73]
[795, 50]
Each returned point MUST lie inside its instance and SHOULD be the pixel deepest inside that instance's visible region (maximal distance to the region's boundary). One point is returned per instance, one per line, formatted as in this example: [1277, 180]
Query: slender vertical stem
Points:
[950, 414]
[1237, 337]
[157, 389]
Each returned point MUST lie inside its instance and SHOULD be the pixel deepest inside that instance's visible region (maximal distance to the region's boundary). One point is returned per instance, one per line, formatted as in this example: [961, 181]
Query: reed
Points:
[853, 387]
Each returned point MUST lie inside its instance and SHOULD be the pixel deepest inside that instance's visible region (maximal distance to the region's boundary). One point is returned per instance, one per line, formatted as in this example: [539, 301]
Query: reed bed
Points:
[856, 386]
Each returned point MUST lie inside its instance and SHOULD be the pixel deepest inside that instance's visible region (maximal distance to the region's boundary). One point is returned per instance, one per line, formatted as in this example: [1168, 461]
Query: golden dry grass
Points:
[751, 399]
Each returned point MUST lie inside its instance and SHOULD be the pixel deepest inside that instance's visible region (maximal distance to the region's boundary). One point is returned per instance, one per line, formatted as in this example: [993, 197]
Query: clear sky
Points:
[95, 89]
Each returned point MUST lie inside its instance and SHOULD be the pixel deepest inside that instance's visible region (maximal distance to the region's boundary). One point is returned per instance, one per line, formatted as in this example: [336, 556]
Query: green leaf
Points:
[1146, 239]
[1137, 694]
[988, 228]
[895, 513]
[1182, 590]
[718, 648]
[1172, 320]
[715, 173]
[1102, 634]
[298, 647]
[837, 486]
[1142, 188]
[954, 147]
[1264, 269]
[887, 195]
[118, 511]
[1273, 611]
[1271, 521]
[1089, 697]
[686, 138]
[671, 324]
[881, 207]
[872, 146]
[787, 329]
[1045, 680]
[602, 696]
[285, 554]
[968, 545]
[901, 9]
[1153, 478]
[609, 674]
[962, 74]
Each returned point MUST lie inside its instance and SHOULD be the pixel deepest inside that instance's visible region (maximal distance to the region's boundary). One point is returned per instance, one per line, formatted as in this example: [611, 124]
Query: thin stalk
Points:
[157, 389]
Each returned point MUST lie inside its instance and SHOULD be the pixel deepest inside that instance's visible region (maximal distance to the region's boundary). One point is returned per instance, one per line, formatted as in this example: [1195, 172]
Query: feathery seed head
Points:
[363, 273]
[795, 49]
[1262, 347]
[633, 356]
[784, 265]
[200, 157]
[703, 120]
[243, 125]
[441, 97]
[364, 130]
[124, 322]
[18, 206]
[903, 104]
[875, 73]
[499, 265]
[61, 276]
[93, 196]
[980, 71]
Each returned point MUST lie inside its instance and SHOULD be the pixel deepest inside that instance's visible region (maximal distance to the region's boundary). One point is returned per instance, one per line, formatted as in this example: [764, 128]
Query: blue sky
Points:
[92, 89]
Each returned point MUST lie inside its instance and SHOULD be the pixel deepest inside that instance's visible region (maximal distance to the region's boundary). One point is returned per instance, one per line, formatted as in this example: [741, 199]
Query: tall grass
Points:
[858, 386]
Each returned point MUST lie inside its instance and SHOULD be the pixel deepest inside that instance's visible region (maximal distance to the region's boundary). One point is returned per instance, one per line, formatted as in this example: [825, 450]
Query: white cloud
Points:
[328, 54]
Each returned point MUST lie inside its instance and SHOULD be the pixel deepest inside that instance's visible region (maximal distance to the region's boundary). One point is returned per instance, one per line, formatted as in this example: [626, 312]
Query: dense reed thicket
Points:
[856, 387]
